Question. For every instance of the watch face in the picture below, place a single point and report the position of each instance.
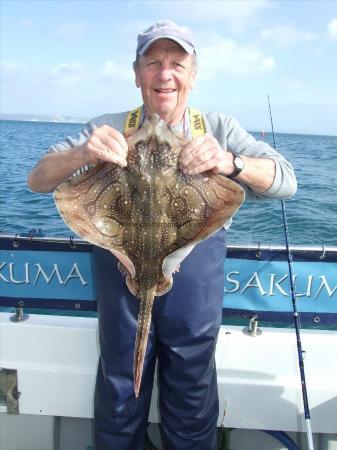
(238, 163)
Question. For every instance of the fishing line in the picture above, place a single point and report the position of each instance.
(252, 221)
(295, 313)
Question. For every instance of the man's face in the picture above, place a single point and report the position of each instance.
(165, 74)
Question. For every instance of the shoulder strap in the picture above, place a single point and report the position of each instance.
(132, 120)
(197, 122)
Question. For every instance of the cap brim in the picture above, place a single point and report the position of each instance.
(187, 47)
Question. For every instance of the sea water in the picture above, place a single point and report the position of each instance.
(311, 213)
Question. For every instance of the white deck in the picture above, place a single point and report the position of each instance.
(259, 382)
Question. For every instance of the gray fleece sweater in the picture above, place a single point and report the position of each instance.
(231, 137)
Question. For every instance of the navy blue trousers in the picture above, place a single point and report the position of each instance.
(183, 335)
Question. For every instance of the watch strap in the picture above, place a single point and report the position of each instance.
(237, 168)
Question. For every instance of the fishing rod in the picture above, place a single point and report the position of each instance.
(295, 313)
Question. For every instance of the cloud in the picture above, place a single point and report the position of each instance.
(120, 70)
(73, 73)
(10, 71)
(106, 86)
(26, 23)
(332, 28)
(72, 31)
(69, 72)
(230, 58)
(293, 84)
(230, 11)
(286, 35)
(232, 14)
(8, 66)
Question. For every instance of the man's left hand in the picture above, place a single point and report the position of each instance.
(204, 153)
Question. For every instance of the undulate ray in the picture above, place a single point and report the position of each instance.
(148, 214)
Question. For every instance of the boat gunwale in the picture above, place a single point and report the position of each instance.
(321, 249)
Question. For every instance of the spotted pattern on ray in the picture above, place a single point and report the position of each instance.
(146, 214)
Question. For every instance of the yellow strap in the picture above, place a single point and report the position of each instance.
(197, 123)
(132, 120)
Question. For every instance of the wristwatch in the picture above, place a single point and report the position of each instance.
(238, 166)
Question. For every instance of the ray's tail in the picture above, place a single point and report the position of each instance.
(143, 328)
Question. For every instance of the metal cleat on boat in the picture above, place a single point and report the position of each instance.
(252, 329)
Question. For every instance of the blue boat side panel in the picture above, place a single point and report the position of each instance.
(46, 275)
(264, 286)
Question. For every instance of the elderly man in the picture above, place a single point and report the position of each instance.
(186, 320)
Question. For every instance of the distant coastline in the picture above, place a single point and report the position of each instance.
(57, 118)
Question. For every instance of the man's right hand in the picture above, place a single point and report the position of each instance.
(105, 144)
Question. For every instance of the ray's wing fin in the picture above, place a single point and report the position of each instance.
(93, 206)
(202, 205)
(218, 197)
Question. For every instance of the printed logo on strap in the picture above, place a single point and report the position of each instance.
(132, 120)
(197, 123)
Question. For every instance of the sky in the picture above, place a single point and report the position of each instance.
(75, 58)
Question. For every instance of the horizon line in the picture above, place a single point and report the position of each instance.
(84, 120)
